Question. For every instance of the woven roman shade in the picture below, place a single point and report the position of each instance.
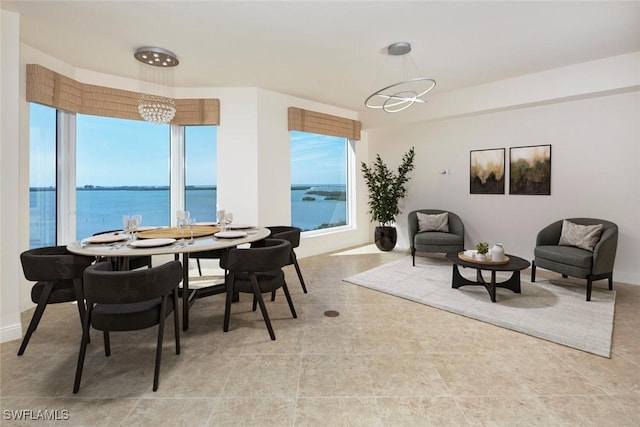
(323, 124)
(55, 90)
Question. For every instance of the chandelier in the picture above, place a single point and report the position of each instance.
(402, 95)
(156, 105)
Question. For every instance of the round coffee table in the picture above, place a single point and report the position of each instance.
(515, 265)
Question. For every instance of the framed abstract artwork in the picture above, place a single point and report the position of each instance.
(486, 171)
(530, 170)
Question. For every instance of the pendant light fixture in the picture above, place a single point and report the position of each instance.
(402, 95)
(156, 104)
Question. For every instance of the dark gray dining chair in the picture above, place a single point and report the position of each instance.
(292, 235)
(256, 270)
(129, 301)
(58, 275)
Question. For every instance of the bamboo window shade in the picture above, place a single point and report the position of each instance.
(323, 124)
(55, 90)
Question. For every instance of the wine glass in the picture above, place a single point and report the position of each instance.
(136, 222)
(228, 219)
(192, 223)
(126, 222)
(220, 214)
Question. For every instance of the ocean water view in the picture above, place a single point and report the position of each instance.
(101, 209)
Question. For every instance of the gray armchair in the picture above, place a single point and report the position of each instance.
(435, 241)
(573, 261)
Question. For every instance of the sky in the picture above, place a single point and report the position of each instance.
(117, 152)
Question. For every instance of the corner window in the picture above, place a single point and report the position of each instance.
(122, 167)
(42, 176)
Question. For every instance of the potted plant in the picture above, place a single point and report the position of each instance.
(482, 248)
(386, 188)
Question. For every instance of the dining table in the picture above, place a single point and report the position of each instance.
(159, 241)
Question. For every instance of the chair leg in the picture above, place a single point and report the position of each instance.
(533, 271)
(564, 276)
(37, 315)
(288, 296)
(589, 286)
(86, 324)
(107, 343)
(176, 321)
(78, 289)
(273, 295)
(295, 264)
(199, 269)
(227, 306)
(611, 281)
(413, 256)
(258, 295)
(156, 371)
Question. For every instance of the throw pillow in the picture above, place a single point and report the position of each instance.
(439, 222)
(581, 236)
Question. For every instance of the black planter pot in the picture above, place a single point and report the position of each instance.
(386, 238)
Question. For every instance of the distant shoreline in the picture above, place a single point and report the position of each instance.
(166, 188)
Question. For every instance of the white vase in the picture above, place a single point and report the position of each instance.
(497, 252)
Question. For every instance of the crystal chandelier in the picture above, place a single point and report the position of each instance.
(402, 95)
(157, 73)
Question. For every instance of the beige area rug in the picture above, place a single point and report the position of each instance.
(553, 310)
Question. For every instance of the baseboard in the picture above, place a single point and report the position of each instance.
(631, 278)
(10, 333)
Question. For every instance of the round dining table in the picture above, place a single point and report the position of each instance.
(122, 249)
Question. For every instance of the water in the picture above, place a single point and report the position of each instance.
(102, 209)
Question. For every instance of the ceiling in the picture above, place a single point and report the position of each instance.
(332, 52)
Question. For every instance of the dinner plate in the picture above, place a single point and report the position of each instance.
(105, 238)
(151, 243)
(230, 234)
(207, 223)
(239, 226)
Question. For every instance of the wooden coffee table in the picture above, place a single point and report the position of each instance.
(514, 264)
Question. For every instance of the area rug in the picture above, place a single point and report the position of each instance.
(554, 310)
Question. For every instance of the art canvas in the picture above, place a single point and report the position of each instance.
(487, 171)
(530, 170)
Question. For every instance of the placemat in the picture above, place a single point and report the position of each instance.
(176, 233)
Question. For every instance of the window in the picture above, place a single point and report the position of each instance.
(319, 170)
(122, 167)
(42, 176)
(200, 172)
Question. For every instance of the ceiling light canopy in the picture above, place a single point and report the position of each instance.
(402, 95)
(156, 105)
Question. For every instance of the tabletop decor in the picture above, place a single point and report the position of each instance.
(177, 232)
(386, 188)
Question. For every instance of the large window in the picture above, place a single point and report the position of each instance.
(319, 166)
(122, 167)
(42, 176)
(200, 172)
(99, 169)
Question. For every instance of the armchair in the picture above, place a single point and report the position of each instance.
(575, 261)
(435, 241)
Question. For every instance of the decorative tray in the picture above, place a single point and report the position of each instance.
(463, 257)
(176, 233)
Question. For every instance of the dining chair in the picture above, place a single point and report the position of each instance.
(133, 262)
(129, 301)
(292, 235)
(58, 276)
(256, 270)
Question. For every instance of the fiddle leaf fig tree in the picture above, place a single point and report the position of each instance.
(387, 187)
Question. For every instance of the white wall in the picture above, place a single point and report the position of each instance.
(10, 211)
(595, 159)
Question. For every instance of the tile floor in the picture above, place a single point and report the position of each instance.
(383, 361)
